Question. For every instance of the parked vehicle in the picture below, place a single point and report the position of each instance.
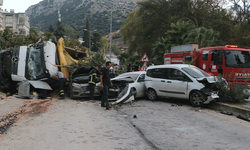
(127, 86)
(231, 61)
(181, 81)
(79, 86)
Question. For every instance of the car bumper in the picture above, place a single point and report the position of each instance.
(82, 90)
(210, 98)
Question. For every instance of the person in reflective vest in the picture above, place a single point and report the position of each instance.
(92, 81)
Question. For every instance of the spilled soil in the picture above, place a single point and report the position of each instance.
(31, 108)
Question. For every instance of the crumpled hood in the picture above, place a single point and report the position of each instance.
(211, 79)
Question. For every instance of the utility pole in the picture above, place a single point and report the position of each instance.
(110, 32)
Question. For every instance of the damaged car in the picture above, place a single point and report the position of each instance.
(181, 81)
(127, 87)
(79, 86)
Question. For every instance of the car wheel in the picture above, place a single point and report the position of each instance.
(151, 94)
(196, 99)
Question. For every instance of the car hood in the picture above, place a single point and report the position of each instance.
(211, 79)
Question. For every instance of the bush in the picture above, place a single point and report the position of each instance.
(232, 92)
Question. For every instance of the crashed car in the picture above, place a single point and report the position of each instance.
(181, 81)
(79, 86)
(126, 87)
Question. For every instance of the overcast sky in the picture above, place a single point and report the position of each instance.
(18, 5)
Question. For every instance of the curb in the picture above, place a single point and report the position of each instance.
(244, 112)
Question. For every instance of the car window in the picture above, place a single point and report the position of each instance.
(195, 72)
(173, 74)
(157, 73)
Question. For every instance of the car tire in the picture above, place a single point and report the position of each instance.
(151, 94)
(196, 99)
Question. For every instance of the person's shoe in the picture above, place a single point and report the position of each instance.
(61, 98)
(108, 108)
(103, 106)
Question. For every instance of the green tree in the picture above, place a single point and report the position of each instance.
(71, 32)
(60, 32)
(204, 37)
(96, 42)
(48, 35)
(104, 44)
(86, 36)
(51, 29)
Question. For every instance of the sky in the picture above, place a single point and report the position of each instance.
(18, 5)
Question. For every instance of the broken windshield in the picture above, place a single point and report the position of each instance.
(237, 59)
(34, 67)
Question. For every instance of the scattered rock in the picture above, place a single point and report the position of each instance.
(134, 116)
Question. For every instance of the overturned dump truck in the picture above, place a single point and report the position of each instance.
(35, 63)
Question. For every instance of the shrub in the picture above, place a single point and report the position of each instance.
(232, 92)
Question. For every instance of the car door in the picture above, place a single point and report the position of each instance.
(140, 85)
(176, 84)
(158, 80)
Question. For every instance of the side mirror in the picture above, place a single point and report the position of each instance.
(140, 80)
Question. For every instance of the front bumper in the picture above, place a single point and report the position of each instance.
(211, 98)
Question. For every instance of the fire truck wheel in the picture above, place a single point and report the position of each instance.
(151, 94)
(196, 99)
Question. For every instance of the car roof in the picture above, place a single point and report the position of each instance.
(179, 66)
(134, 72)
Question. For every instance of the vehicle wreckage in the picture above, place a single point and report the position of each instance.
(35, 64)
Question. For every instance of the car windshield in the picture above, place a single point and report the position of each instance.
(35, 68)
(195, 72)
(238, 59)
(134, 76)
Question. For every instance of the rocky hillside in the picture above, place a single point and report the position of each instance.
(75, 12)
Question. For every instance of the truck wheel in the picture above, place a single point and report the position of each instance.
(196, 99)
(151, 94)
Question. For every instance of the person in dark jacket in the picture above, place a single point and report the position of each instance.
(136, 66)
(92, 81)
(105, 84)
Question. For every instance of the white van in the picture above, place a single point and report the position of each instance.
(181, 81)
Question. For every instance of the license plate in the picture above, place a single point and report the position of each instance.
(86, 91)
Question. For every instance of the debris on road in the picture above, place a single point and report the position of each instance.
(244, 118)
(32, 107)
(226, 113)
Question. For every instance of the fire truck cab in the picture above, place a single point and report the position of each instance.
(231, 61)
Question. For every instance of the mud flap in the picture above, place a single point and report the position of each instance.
(125, 96)
(24, 88)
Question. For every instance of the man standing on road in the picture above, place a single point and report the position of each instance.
(62, 80)
(92, 81)
(105, 84)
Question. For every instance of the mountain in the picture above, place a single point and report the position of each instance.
(76, 12)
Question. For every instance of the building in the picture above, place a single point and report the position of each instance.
(17, 22)
(1, 2)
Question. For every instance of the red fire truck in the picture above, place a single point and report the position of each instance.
(231, 61)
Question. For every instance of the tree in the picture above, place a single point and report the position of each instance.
(104, 44)
(149, 23)
(60, 32)
(96, 42)
(51, 29)
(86, 36)
(71, 31)
(48, 35)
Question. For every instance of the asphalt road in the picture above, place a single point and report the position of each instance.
(141, 125)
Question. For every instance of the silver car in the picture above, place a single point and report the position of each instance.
(127, 86)
(181, 81)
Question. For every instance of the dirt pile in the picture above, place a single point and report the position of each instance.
(32, 107)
